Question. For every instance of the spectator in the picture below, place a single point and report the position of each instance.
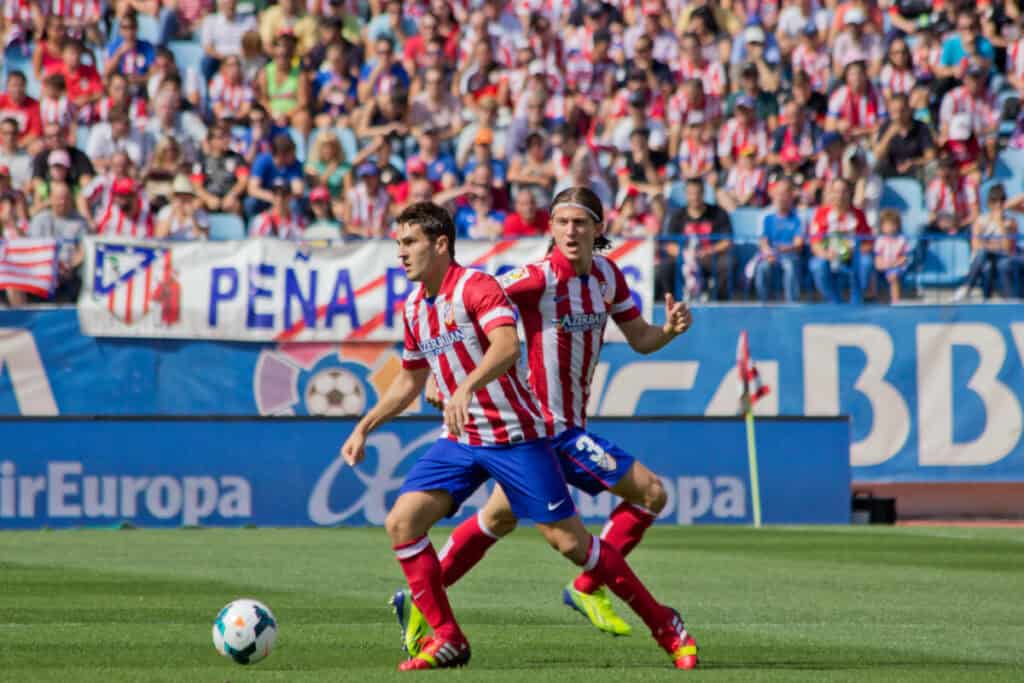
(279, 220)
(54, 106)
(231, 98)
(179, 18)
(798, 131)
(742, 130)
(255, 138)
(61, 222)
(483, 156)
(811, 57)
(866, 184)
(696, 154)
(840, 245)
(128, 215)
(127, 55)
(158, 178)
(55, 137)
(117, 136)
(533, 170)
(657, 135)
(974, 99)
(708, 262)
(221, 35)
(327, 166)
(855, 109)
(280, 162)
(96, 197)
(329, 33)
(951, 199)
(253, 58)
(527, 220)
(994, 247)
(334, 89)
(781, 245)
(284, 86)
(690, 100)
(222, 173)
(757, 75)
(119, 94)
(904, 146)
(288, 16)
(13, 220)
(637, 216)
(437, 107)
(367, 203)
(745, 184)
(382, 74)
(170, 122)
(12, 156)
(639, 166)
(963, 47)
(48, 47)
(480, 220)
(892, 253)
(386, 114)
(324, 225)
(393, 24)
(855, 43)
(183, 219)
(963, 147)
(16, 105)
(695, 66)
(897, 76)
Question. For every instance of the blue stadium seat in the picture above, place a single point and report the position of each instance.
(902, 194)
(946, 262)
(149, 28)
(15, 59)
(187, 54)
(677, 195)
(746, 224)
(226, 226)
(1009, 167)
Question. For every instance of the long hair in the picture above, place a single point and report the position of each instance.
(586, 197)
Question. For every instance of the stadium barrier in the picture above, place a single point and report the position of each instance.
(934, 393)
(153, 472)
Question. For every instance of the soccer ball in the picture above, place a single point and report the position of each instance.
(245, 631)
(335, 392)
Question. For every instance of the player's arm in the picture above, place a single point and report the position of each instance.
(645, 338)
(403, 391)
(502, 354)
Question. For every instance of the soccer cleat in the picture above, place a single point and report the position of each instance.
(410, 621)
(680, 645)
(438, 653)
(597, 607)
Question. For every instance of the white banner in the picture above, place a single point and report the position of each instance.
(270, 290)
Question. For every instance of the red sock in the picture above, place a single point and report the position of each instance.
(423, 574)
(624, 529)
(465, 547)
(611, 570)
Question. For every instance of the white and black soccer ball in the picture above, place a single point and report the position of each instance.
(335, 392)
(245, 630)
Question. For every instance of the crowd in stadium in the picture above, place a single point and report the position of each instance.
(797, 148)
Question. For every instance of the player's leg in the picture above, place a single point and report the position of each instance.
(593, 465)
(471, 539)
(435, 487)
(536, 489)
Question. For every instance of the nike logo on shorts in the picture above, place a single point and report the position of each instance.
(552, 506)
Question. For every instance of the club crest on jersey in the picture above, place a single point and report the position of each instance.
(447, 314)
(606, 292)
(579, 322)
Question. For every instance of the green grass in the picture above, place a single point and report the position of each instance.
(851, 604)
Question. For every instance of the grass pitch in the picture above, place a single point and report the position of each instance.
(851, 604)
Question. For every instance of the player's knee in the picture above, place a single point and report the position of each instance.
(655, 497)
(399, 528)
(570, 547)
(500, 523)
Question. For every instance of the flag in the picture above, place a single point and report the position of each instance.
(30, 265)
(128, 277)
(751, 389)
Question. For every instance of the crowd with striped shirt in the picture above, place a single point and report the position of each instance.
(324, 119)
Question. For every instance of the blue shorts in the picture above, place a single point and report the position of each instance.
(528, 472)
(590, 463)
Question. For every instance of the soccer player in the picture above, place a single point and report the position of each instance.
(564, 302)
(460, 327)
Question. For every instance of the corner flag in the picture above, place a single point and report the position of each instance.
(751, 391)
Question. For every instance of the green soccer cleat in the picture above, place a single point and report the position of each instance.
(597, 607)
(411, 621)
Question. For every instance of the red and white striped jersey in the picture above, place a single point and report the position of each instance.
(830, 222)
(19, 12)
(60, 111)
(79, 10)
(136, 110)
(99, 194)
(941, 198)
(742, 181)
(564, 317)
(895, 80)
(229, 96)
(272, 224)
(116, 223)
(826, 170)
(859, 110)
(889, 249)
(448, 334)
(696, 157)
(816, 63)
(1015, 59)
(735, 137)
(680, 107)
(369, 213)
(983, 109)
(710, 73)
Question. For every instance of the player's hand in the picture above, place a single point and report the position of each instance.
(354, 448)
(432, 394)
(677, 316)
(456, 412)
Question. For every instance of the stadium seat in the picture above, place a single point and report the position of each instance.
(225, 227)
(902, 194)
(1009, 167)
(676, 197)
(746, 224)
(349, 144)
(187, 54)
(149, 28)
(945, 264)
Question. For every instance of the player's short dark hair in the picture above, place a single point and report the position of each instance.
(433, 219)
(588, 199)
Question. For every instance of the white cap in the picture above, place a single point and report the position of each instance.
(854, 15)
(753, 34)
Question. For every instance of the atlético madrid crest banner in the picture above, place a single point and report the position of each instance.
(271, 290)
